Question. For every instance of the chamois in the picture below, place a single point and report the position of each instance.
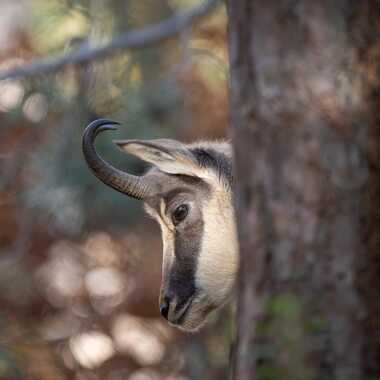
(188, 190)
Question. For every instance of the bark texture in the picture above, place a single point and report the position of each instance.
(304, 112)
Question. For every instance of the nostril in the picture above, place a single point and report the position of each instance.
(164, 307)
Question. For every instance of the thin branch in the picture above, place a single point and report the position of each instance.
(132, 40)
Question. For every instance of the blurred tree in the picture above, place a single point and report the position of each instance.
(305, 81)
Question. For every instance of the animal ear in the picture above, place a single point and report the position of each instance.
(169, 156)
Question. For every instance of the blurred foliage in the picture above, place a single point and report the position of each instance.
(79, 265)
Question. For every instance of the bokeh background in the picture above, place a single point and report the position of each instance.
(80, 264)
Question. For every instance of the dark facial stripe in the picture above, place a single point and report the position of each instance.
(187, 245)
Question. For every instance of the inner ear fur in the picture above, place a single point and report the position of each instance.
(170, 156)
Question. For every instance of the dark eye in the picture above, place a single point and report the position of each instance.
(180, 213)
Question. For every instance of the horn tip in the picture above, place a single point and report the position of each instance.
(101, 125)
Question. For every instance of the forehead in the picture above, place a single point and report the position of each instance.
(170, 187)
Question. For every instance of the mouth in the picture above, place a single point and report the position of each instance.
(180, 317)
(193, 315)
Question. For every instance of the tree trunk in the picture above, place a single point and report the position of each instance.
(304, 100)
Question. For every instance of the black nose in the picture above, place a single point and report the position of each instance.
(164, 307)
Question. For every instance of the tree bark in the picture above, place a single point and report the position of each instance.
(304, 95)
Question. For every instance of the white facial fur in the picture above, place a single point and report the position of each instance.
(218, 258)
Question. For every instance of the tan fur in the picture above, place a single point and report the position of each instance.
(167, 232)
(208, 174)
(175, 162)
(218, 259)
(222, 146)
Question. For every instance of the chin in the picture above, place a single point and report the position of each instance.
(192, 324)
(196, 317)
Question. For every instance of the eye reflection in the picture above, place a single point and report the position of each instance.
(180, 213)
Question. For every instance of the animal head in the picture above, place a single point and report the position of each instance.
(188, 191)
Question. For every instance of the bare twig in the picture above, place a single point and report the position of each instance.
(132, 40)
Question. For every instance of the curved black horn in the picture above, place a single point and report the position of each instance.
(126, 183)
